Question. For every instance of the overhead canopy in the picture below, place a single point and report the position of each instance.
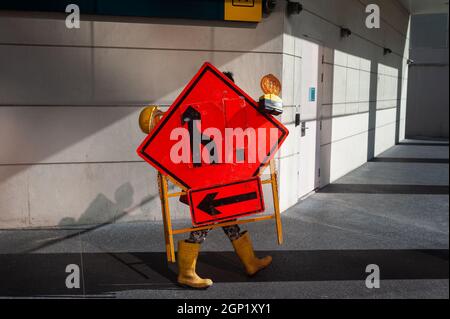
(228, 10)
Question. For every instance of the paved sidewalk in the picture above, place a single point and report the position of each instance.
(392, 212)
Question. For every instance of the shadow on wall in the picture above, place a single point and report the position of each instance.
(326, 127)
(373, 93)
(100, 213)
(103, 210)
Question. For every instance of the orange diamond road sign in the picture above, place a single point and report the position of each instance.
(212, 103)
(214, 141)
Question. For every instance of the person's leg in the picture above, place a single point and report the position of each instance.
(233, 232)
(187, 259)
(198, 236)
(244, 249)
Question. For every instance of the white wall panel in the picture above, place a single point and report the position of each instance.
(288, 182)
(384, 138)
(45, 75)
(68, 134)
(346, 155)
(14, 197)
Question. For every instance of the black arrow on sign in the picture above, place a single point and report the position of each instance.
(189, 116)
(209, 202)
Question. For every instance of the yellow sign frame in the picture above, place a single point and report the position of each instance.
(169, 232)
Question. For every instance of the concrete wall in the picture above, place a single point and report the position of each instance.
(70, 99)
(428, 99)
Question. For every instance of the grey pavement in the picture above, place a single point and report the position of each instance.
(392, 212)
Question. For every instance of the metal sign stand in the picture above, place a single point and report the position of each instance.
(169, 232)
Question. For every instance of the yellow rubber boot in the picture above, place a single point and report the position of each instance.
(244, 249)
(187, 260)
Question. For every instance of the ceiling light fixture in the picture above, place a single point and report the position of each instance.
(294, 7)
(345, 32)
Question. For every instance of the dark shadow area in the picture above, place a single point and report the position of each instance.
(325, 125)
(423, 144)
(107, 273)
(398, 107)
(371, 127)
(410, 160)
(426, 138)
(427, 113)
(319, 119)
(385, 189)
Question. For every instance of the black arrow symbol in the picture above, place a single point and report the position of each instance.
(209, 202)
(189, 116)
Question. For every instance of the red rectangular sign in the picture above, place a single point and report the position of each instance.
(226, 202)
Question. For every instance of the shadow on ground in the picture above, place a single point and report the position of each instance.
(104, 274)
